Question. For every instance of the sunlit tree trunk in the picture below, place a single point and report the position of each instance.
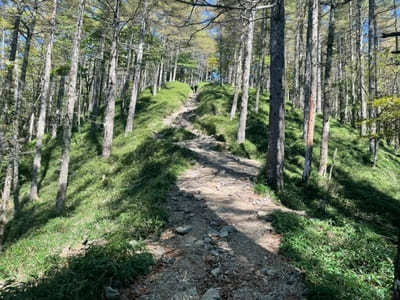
(323, 162)
(360, 73)
(137, 76)
(19, 89)
(372, 78)
(314, 92)
(7, 88)
(43, 107)
(241, 136)
(298, 53)
(31, 126)
(155, 80)
(112, 85)
(178, 49)
(69, 114)
(238, 79)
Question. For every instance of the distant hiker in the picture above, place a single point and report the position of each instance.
(195, 88)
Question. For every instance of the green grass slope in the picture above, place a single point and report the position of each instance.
(111, 202)
(347, 251)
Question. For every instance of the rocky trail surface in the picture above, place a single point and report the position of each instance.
(220, 243)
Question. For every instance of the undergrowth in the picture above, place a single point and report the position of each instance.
(346, 251)
(109, 204)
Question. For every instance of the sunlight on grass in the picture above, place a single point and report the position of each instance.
(115, 200)
(347, 251)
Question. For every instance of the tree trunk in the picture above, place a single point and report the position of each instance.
(323, 162)
(354, 71)
(238, 79)
(98, 85)
(241, 136)
(298, 52)
(155, 80)
(5, 196)
(276, 138)
(319, 80)
(137, 76)
(308, 75)
(314, 92)
(6, 92)
(176, 62)
(261, 65)
(43, 107)
(372, 77)
(60, 98)
(69, 114)
(112, 85)
(342, 83)
(3, 48)
(4, 202)
(31, 126)
(19, 89)
(360, 67)
(160, 80)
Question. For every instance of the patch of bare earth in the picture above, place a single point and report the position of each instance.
(220, 243)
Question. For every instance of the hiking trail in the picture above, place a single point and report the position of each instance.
(219, 243)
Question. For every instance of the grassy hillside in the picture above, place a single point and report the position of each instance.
(347, 251)
(110, 203)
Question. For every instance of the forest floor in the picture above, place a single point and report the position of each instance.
(219, 242)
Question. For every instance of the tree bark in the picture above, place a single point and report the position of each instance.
(19, 89)
(372, 77)
(308, 66)
(69, 114)
(314, 92)
(112, 85)
(360, 67)
(354, 71)
(276, 138)
(298, 52)
(6, 92)
(98, 85)
(323, 162)
(31, 126)
(241, 136)
(137, 76)
(342, 84)
(155, 80)
(3, 47)
(238, 79)
(43, 107)
(261, 65)
(176, 62)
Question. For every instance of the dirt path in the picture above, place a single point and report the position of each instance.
(220, 243)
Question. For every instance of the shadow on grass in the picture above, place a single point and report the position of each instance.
(136, 209)
(351, 199)
(85, 274)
